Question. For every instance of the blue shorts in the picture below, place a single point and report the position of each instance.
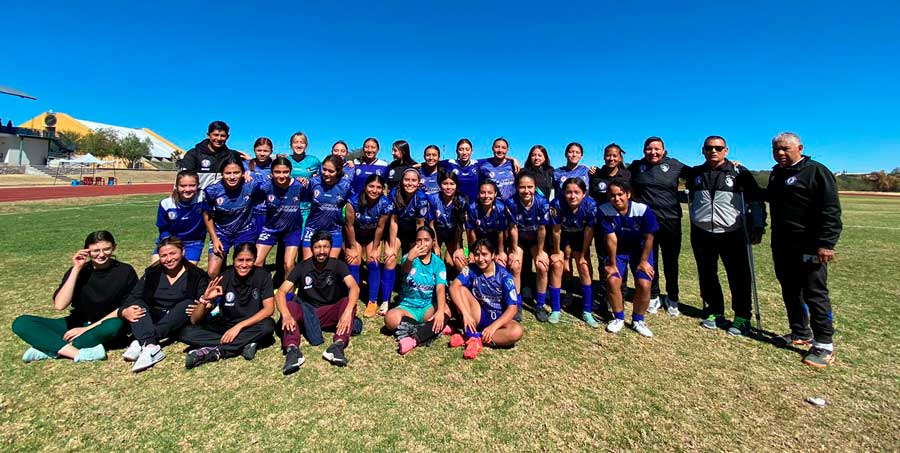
(192, 249)
(488, 316)
(337, 239)
(230, 241)
(632, 262)
(574, 239)
(270, 238)
(365, 237)
(260, 219)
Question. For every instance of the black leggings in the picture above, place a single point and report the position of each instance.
(667, 239)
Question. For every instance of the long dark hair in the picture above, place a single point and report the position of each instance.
(363, 202)
(338, 163)
(232, 159)
(616, 146)
(262, 141)
(543, 151)
(244, 247)
(405, 157)
(401, 198)
(459, 202)
(99, 236)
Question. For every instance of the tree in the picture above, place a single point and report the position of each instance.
(355, 154)
(133, 149)
(100, 143)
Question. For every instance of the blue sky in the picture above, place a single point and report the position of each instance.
(432, 72)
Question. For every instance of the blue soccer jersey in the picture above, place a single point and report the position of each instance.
(184, 221)
(283, 207)
(417, 208)
(326, 204)
(363, 170)
(429, 181)
(487, 225)
(231, 209)
(561, 174)
(585, 216)
(367, 219)
(262, 172)
(630, 228)
(503, 175)
(444, 215)
(529, 220)
(494, 293)
(467, 175)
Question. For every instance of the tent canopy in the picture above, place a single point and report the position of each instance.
(87, 159)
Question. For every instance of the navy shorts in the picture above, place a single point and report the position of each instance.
(337, 238)
(192, 249)
(270, 238)
(488, 317)
(632, 261)
(230, 241)
(574, 239)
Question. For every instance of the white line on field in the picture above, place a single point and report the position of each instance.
(70, 208)
(874, 227)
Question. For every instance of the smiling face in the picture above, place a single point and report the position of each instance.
(370, 150)
(432, 156)
(243, 263)
(612, 157)
(281, 174)
(526, 189)
(573, 195)
(500, 149)
(263, 152)
(217, 138)
(340, 150)
(423, 239)
(396, 153)
(329, 172)
(187, 188)
(170, 257)
(573, 155)
(786, 152)
(448, 187)
(410, 181)
(715, 151)
(487, 195)
(320, 250)
(536, 157)
(618, 198)
(232, 175)
(374, 190)
(654, 152)
(483, 258)
(298, 144)
(101, 252)
(464, 152)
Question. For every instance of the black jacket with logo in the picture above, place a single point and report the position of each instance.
(720, 196)
(657, 186)
(206, 162)
(805, 208)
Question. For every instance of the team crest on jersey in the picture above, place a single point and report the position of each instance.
(205, 163)
(602, 186)
(255, 294)
(790, 181)
(358, 171)
(271, 198)
(643, 168)
(296, 198)
(729, 181)
(412, 272)
(329, 280)
(465, 271)
(316, 193)
(491, 174)
(699, 180)
(246, 197)
(423, 211)
(220, 200)
(172, 215)
(391, 174)
(455, 171)
(229, 296)
(307, 282)
(664, 168)
(513, 295)
(443, 275)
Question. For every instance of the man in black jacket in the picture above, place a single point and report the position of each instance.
(726, 204)
(806, 225)
(206, 156)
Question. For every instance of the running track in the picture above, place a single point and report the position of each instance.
(47, 193)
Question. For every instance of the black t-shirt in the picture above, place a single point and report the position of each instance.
(99, 291)
(320, 287)
(599, 182)
(167, 294)
(242, 297)
(657, 186)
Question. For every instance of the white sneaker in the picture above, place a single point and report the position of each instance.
(133, 352)
(150, 355)
(641, 328)
(672, 308)
(615, 325)
(654, 306)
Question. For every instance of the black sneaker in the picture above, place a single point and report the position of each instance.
(818, 357)
(335, 354)
(357, 326)
(791, 339)
(293, 358)
(541, 314)
(249, 351)
(200, 356)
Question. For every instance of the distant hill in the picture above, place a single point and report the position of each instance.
(879, 181)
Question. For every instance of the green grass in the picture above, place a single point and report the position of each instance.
(564, 387)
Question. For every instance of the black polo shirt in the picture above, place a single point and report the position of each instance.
(242, 297)
(320, 287)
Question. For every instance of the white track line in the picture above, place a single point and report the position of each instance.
(70, 208)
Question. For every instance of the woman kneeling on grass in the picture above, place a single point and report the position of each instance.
(246, 302)
(159, 305)
(94, 287)
(423, 308)
(485, 294)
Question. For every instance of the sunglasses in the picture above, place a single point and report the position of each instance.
(717, 149)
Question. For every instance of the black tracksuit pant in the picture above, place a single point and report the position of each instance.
(159, 323)
(732, 248)
(804, 288)
(667, 239)
(210, 333)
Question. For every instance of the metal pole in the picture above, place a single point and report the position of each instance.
(745, 220)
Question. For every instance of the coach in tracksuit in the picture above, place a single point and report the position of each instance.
(206, 157)
(806, 225)
(723, 196)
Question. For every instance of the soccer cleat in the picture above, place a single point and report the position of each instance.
(249, 351)
(641, 328)
(589, 319)
(293, 358)
(654, 306)
(202, 355)
(383, 308)
(554, 317)
(33, 355)
(407, 344)
(672, 308)
(132, 352)
(541, 314)
(739, 328)
(456, 340)
(713, 322)
(335, 354)
(150, 355)
(371, 309)
(447, 330)
(615, 326)
(790, 339)
(818, 357)
(91, 354)
(473, 347)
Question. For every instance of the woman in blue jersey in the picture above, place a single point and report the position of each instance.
(370, 213)
(628, 227)
(572, 168)
(181, 215)
(538, 164)
(410, 212)
(487, 218)
(499, 169)
(486, 297)
(422, 310)
(260, 167)
(402, 161)
(228, 211)
(369, 164)
(465, 168)
(429, 169)
(448, 219)
(530, 212)
(340, 149)
(573, 216)
(281, 222)
(327, 193)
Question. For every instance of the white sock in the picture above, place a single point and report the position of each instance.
(825, 346)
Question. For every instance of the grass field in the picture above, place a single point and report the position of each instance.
(564, 387)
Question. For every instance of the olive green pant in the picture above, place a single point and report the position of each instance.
(46, 334)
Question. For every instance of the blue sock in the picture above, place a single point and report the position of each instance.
(519, 300)
(471, 334)
(620, 315)
(540, 299)
(387, 284)
(354, 271)
(554, 299)
(587, 293)
(637, 317)
(374, 280)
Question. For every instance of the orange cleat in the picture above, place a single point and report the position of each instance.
(371, 308)
(473, 347)
(456, 340)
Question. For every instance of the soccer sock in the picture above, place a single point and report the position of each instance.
(587, 293)
(519, 300)
(374, 280)
(620, 315)
(554, 299)
(354, 271)
(825, 346)
(387, 284)
(540, 300)
(471, 334)
(425, 332)
(636, 317)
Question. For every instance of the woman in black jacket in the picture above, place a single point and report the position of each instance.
(538, 163)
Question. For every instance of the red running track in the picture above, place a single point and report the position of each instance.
(47, 193)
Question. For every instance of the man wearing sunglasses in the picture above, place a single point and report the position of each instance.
(723, 196)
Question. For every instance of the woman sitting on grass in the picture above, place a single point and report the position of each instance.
(246, 302)
(94, 288)
(485, 294)
(422, 311)
(181, 215)
(159, 305)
